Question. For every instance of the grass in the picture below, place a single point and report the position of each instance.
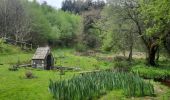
(14, 58)
(114, 95)
(11, 55)
(14, 85)
(8, 49)
(162, 93)
(67, 58)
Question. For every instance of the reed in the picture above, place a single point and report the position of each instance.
(93, 85)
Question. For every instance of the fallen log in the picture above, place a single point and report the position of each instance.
(86, 72)
(25, 65)
(66, 68)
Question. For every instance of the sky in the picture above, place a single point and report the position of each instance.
(54, 3)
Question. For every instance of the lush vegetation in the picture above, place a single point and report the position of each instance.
(18, 86)
(120, 48)
(8, 49)
(93, 85)
(41, 24)
(151, 73)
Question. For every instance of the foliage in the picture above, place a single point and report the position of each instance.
(122, 66)
(93, 85)
(79, 6)
(14, 20)
(40, 27)
(151, 72)
(8, 49)
(38, 24)
(80, 47)
(119, 32)
(156, 15)
(90, 12)
(120, 58)
(52, 26)
(158, 11)
(13, 68)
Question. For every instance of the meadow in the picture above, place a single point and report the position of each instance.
(15, 86)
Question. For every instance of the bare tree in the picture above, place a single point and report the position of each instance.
(15, 21)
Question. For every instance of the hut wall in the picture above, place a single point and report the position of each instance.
(38, 63)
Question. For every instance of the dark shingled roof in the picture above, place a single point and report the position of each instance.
(41, 53)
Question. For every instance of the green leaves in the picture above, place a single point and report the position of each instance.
(156, 14)
(54, 26)
(92, 85)
(150, 72)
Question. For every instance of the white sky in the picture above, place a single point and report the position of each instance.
(54, 3)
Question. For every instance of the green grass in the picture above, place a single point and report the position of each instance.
(8, 49)
(10, 54)
(14, 58)
(114, 95)
(67, 58)
(14, 85)
(162, 93)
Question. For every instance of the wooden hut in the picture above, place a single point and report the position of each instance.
(43, 58)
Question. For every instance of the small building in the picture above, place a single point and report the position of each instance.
(43, 58)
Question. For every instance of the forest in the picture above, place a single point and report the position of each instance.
(100, 50)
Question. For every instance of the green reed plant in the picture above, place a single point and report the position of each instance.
(92, 85)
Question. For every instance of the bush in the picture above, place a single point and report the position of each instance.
(29, 75)
(151, 72)
(122, 66)
(13, 68)
(120, 58)
(81, 47)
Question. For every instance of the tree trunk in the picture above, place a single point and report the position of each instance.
(130, 53)
(158, 52)
(152, 54)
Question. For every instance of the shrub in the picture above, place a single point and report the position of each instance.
(13, 68)
(92, 85)
(151, 72)
(80, 47)
(120, 58)
(122, 66)
(29, 74)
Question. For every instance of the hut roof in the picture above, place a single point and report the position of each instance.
(41, 53)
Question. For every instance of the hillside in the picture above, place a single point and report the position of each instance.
(8, 49)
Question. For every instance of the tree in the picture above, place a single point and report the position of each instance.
(14, 20)
(151, 19)
(121, 32)
(156, 17)
(79, 6)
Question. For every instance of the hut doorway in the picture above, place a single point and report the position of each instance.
(49, 62)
